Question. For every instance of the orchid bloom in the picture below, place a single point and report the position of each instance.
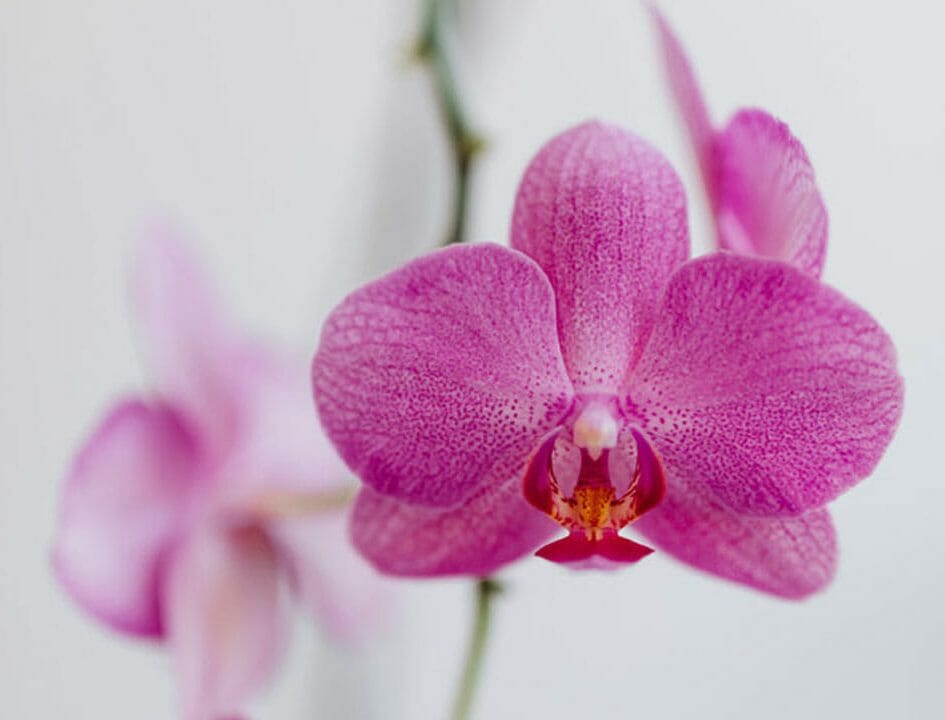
(758, 178)
(590, 377)
(177, 518)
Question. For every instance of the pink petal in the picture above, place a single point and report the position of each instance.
(442, 373)
(604, 215)
(789, 557)
(691, 104)
(774, 389)
(190, 345)
(768, 202)
(492, 528)
(227, 621)
(283, 452)
(281, 445)
(346, 595)
(121, 505)
(757, 176)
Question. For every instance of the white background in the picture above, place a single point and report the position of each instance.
(302, 154)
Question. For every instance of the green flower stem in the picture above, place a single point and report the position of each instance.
(486, 589)
(464, 141)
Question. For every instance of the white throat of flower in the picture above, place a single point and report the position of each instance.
(595, 429)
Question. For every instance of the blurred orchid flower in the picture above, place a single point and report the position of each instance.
(758, 178)
(591, 376)
(188, 515)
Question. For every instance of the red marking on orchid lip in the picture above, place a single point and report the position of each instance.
(649, 477)
(577, 551)
(537, 486)
(593, 513)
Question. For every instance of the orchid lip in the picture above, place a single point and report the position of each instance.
(593, 512)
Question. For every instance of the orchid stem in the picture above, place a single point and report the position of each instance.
(464, 141)
(486, 589)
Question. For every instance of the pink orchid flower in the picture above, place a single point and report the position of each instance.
(758, 178)
(591, 377)
(177, 515)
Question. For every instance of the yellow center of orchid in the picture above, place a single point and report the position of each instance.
(593, 506)
(593, 511)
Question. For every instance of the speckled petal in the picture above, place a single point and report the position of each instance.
(774, 389)
(768, 202)
(442, 373)
(788, 557)
(490, 529)
(604, 215)
(692, 107)
(190, 346)
(119, 515)
(227, 619)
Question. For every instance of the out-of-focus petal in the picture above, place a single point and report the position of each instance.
(604, 215)
(283, 457)
(120, 510)
(442, 373)
(345, 594)
(768, 202)
(759, 181)
(689, 99)
(789, 557)
(227, 618)
(490, 529)
(281, 447)
(190, 347)
(774, 389)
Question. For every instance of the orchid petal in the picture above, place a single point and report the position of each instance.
(330, 578)
(788, 557)
(442, 373)
(768, 202)
(119, 514)
(191, 349)
(227, 621)
(282, 447)
(759, 181)
(283, 456)
(604, 215)
(774, 389)
(692, 106)
(490, 529)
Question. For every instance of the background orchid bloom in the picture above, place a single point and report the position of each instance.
(593, 376)
(758, 178)
(173, 524)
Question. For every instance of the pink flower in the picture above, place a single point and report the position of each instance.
(757, 176)
(170, 523)
(591, 377)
